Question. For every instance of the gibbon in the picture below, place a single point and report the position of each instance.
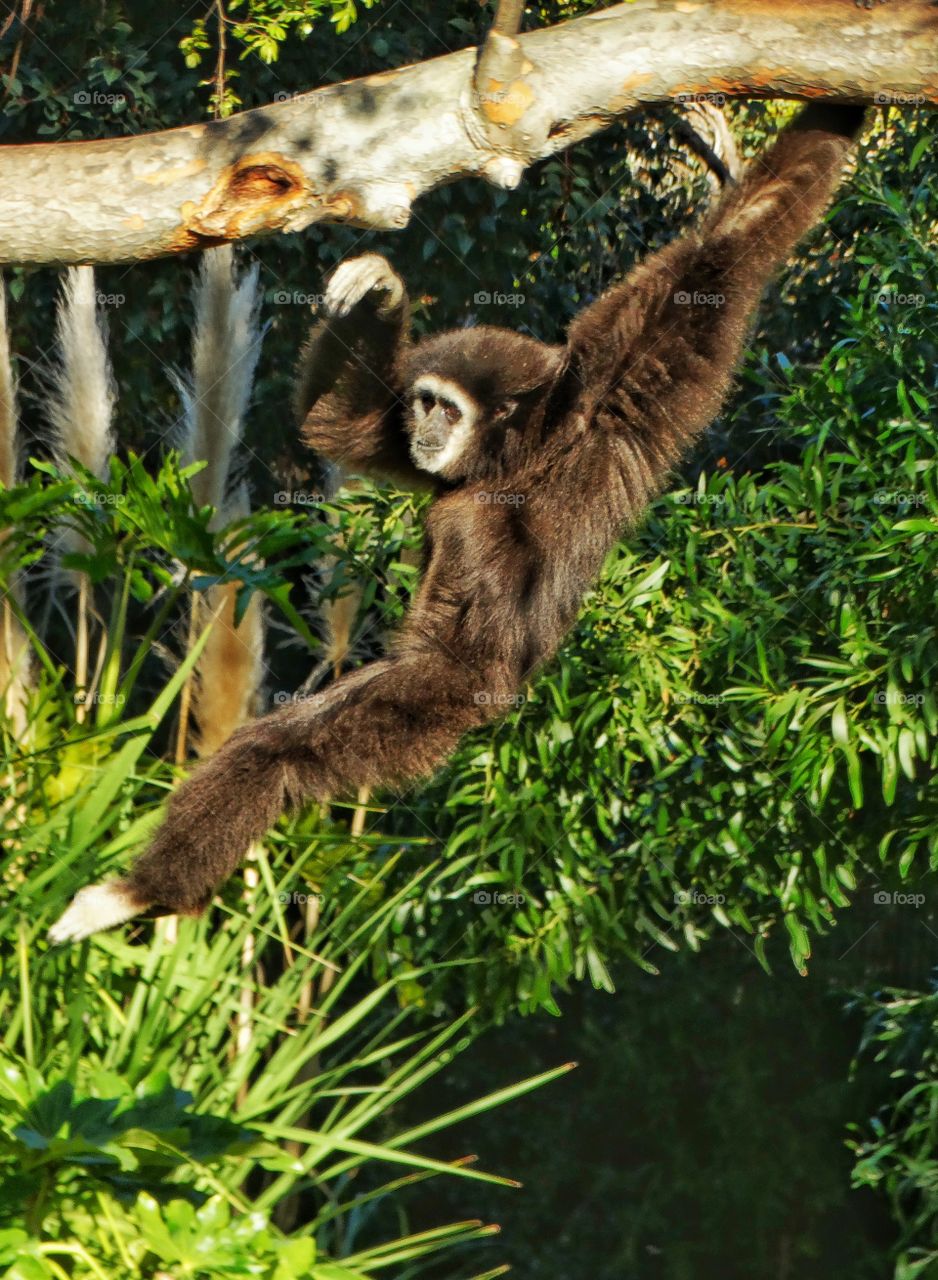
(539, 456)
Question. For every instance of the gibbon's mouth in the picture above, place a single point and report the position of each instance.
(427, 447)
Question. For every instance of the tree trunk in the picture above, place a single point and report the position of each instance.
(362, 152)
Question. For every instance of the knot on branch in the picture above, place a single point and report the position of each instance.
(254, 193)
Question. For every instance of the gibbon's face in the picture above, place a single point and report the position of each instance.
(443, 418)
(472, 395)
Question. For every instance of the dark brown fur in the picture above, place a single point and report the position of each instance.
(514, 544)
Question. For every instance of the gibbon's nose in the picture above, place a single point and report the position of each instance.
(436, 427)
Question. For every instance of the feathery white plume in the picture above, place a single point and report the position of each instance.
(80, 401)
(225, 347)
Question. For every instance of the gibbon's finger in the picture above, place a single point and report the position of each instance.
(370, 274)
(353, 280)
(350, 282)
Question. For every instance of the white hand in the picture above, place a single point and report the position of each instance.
(352, 280)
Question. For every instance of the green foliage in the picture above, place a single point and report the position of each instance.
(701, 1136)
(160, 1104)
(897, 1152)
(260, 28)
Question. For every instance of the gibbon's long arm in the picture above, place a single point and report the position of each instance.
(652, 359)
(348, 393)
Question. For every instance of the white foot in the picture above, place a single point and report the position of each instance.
(99, 906)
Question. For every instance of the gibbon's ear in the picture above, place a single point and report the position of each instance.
(505, 408)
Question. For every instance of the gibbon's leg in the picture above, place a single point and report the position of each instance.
(655, 355)
(388, 723)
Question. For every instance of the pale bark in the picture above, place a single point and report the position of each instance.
(364, 151)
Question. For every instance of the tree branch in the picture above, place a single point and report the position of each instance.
(364, 151)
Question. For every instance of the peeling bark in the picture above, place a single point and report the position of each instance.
(364, 151)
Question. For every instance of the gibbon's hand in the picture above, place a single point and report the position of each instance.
(355, 279)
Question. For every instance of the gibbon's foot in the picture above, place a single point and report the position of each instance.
(352, 280)
(98, 906)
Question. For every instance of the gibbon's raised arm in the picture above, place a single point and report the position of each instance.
(655, 354)
(540, 456)
(348, 392)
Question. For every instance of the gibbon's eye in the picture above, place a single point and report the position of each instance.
(449, 409)
(426, 401)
